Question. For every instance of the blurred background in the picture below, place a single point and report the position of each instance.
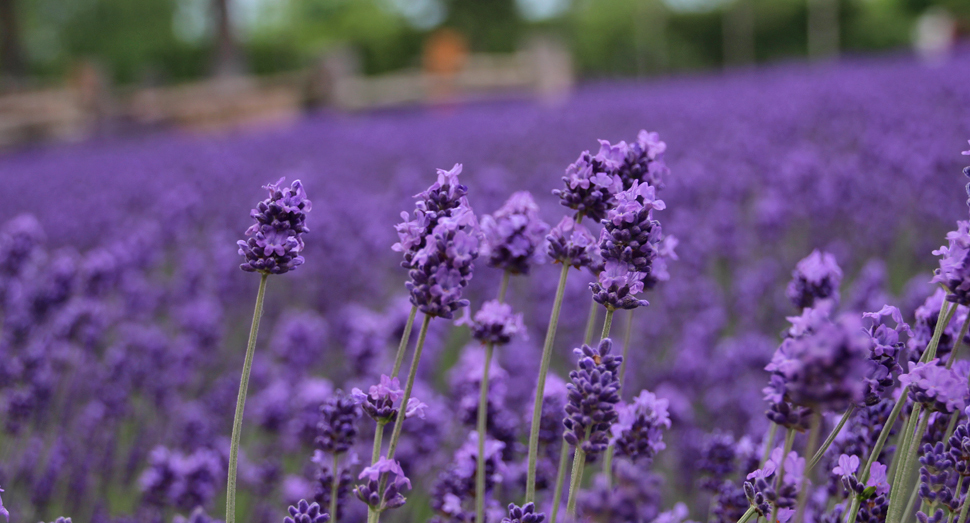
(76, 68)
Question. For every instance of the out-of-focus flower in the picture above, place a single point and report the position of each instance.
(337, 429)
(494, 323)
(816, 277)
(638, 431)
(954, 270)
(514, 235)
(643, 161)
(935, 386)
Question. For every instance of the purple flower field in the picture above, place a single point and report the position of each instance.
(735, 318)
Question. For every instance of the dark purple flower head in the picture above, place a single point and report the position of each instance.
(886, 350)
(441, 200)
(514, 235)
(617, 287)
(442, 268)
(760, 485)
(643, 161)
(926, 316)
(305, 512)
(299, 337)
(396, 482)
(935, 386)
(181, 480)
(638, 431)
(378, 403)
(954, 270)
(571, 244)
(937, 477)
(494, 323)
(524, 514)
(823, 365)
(594, 390)
(592, 181)
(61, 520)
(630, 234)
(959, 446)
(276, 239)
(816, 277)
(337, 429)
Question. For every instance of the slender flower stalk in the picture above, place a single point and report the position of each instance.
(560, 478)
(789, 441)
(530, 484)
(405, 337)
(373, 515)
(769, 443)
(412, 374)
(590, 323)
(813, 434)
(909, 458)
(335, 486)
(607, 324)
(626, 343)
(958, 341)
(579, 465)
(828, 441)
(241, 403)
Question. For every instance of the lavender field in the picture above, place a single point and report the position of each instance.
(763, 379)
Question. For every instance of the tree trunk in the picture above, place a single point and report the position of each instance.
(11, 57)
(228, 60)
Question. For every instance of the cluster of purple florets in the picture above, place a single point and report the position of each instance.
(514, 235)
(275, 241)
(496, 324)
(815, 278)
(594, 391)
(337, 428)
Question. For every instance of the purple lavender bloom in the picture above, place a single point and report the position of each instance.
(638, 431)
(323, 482)
(180, 480)
(592, 181)
(630, 234)
(633, 495)
(305, 512)
(937, 477)
(571, 243)
(643, 161)
(61, 520)
(594, 390)
(392, 497)
(823, 365)
(816, 277)
(441, 200)
(298, 339)
(935, 386)
(19, 240)
(924, 326)
(524, 514)
(494, 323)
(760, 485)
(378, 403)
(453, 493)
(514, 235)
(443, 266)
(275, 241)
(954, 270)
(4, 511)
(959, 447)
(886, 350)
(617, 287)
(337, 429)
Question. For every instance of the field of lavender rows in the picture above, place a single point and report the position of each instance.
(125, 313)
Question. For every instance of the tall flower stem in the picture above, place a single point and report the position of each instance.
(608, 461)
(769, 442)
(958, 490)
(902, 478)
(560, 478)
(482, 420)
(530, 484)
(958, 342)
(607, 325)
(963, 513)
(813, 433)
(403, 346)
(579, 465)
(483, 417)
(626, 343)
(779, 477)
(241, 402)
(591, 321)
(372, 515)
(831, 437)
(335, 484)
(412, 373)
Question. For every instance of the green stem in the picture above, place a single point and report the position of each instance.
(941, 322)
(607, 324)
(779, 477)
(241, 402)
(372, 515)
(828, 441)
(504, 286)
(963, 511)
(530, 484)
(626, 343)
(911, 504)
(412, 373)
(590, 322)
(579, 464)
(958, 342)
(335, 486)
(608, 466)
(482, 420)
(813, 433)
(769, 443)
(752, 511)
(902, 478)
(560, 479)
(405, 337)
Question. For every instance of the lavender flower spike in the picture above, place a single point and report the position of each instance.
(571, 244)
(638, 432)
(276, 239)
(593, 393)
(494, 323)
(524, 514)
(954, 270)
(514, 235)
(617, 286)
(592, 181)
(816, 277)
(305, 512)
(337, 429)
(644, 161)
(630, 234)
(935, 386)
(370, 493)
(443, 267)
(379, 402)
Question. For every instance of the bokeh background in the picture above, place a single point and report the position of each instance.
(135, 136)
